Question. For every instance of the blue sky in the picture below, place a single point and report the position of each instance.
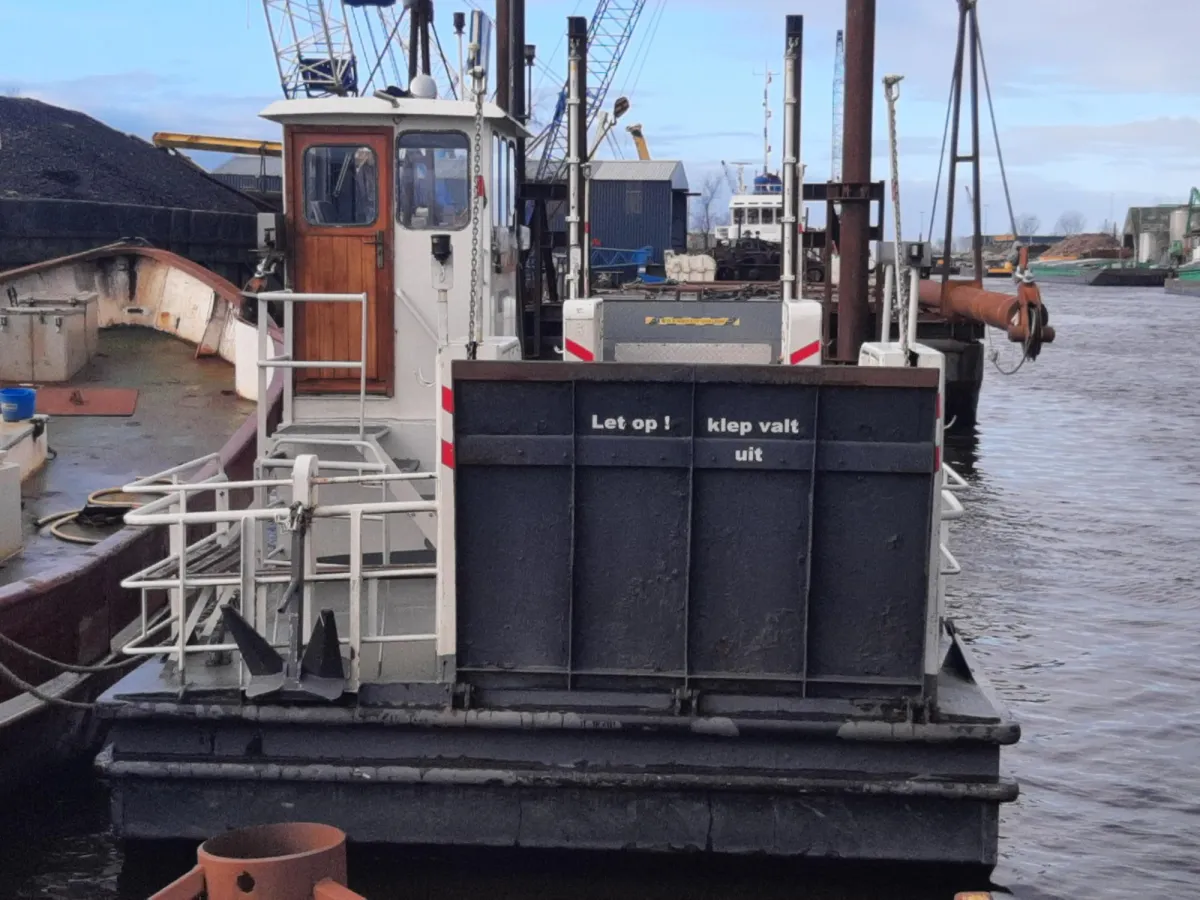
(1096, 100)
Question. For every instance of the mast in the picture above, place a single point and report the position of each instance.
(839, 78)
(767, 123)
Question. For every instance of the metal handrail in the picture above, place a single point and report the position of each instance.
(955, 481)
(173, 574)
(286, 359)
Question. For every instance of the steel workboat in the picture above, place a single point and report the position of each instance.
(682, 590)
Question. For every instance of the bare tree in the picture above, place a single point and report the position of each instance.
(1027, 224)
(706, 213)
(1070, 222)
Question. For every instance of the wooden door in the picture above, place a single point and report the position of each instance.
(340, 202)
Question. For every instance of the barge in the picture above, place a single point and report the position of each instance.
(1099, 273)
(682, 590)
(118, 341)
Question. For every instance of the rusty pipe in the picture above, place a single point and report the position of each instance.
(853, 309)
(1011, 314)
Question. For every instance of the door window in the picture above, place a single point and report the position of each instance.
(341, 185)
(433, 180)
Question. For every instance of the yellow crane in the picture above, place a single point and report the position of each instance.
(244, 146)
(639, 140)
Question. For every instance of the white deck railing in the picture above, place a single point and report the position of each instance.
(286, 359)
(189, 586)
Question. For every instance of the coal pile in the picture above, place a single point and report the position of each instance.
(47, 152)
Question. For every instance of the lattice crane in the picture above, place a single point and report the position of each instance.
(609, 32)
(349, 47)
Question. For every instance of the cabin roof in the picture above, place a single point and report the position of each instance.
(640, 170)
(303, 108)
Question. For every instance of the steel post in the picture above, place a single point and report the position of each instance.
(504, 55)
(576, 150)
(853, 309)
(791, 252)
(976, 199)
(516, 61)
(951, 179)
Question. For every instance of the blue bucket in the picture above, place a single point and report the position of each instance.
(17, 404)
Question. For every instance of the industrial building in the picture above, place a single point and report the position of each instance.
(639, 203)
(253, 174)
(1151, 231)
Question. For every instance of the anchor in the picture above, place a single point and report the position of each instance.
(314, 669)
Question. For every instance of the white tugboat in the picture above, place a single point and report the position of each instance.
(682, 590)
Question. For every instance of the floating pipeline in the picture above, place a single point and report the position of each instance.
(1024, 318)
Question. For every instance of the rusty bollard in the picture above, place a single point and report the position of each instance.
(288, 861)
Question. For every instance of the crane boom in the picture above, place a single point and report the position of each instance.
(639, 141)
(346, 47)
(609, 32)
(313, 50)
(245, 146)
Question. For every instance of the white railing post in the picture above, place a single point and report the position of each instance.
(355, 597)
(445, 604)
(287, 358)
(253, 584)
(263, 375)
(287, 414)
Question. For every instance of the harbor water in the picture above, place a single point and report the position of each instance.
(1080, 593)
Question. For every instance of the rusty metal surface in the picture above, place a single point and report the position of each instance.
(86, 401)
(1012, 314)
(853, 317)
(65, 600)
(275, 862)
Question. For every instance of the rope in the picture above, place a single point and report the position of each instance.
(66, 667)
(987, 87)
(101, 512)
(7, 674)
(445, 65)
(1035, 313)
(891, 90)
(937, 184)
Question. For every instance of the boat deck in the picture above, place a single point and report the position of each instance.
(186, 407)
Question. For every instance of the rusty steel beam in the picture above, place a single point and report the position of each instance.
(1022, 317)
(853, 301)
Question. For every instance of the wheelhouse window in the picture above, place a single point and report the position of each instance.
(501, 195)
(752, 216)
(341, 185)
(433, 180)
(739, 216)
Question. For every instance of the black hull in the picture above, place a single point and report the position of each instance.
(1111, 277)
(45, 737)
(840, 783)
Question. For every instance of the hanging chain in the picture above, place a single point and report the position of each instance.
(477, 200)
(891, 90)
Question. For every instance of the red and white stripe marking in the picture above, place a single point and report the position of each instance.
(808, 351)
(447, 415)
(576, 350)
